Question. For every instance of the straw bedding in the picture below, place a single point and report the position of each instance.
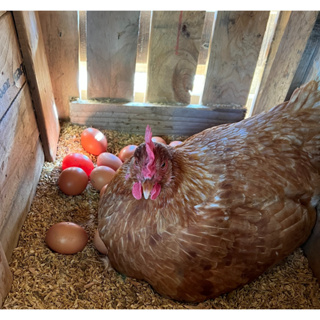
(47, 280)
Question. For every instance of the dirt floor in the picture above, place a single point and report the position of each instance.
(47, 280)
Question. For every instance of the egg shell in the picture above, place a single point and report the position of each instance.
(174, 143)
(127, 151)
(72, 181)
(109, 160)
(78, 160)
(66, 238)
(98, 243)
(158, 139)
(103, 189)
(100, 176)
(94, 141)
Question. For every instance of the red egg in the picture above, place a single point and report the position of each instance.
(78, 160)
(94, 141)
(98, 243)
(158, 139)
(127, 152)
(174, 143)
(100, 176)
(66, 238)
(72, 181)
(109, 160)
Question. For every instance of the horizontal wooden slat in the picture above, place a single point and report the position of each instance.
(164, 119)
(234, 52)
(35, 60)
(5, 276)
(111, 53)
(291, 35)
(61, 39)
(11, 70)
(21, 160)
(175, 40)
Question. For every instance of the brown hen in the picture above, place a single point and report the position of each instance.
(211, 214)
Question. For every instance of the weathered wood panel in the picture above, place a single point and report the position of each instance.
(111, 53)
(61, 39)
(290, 39)
(175, 39)
(5, 276)
(164, 120)
(143, 38)
(34, 56)
(236, 42)
(11, 70)
(21, 160)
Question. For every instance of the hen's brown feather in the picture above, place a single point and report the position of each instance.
(241, 198)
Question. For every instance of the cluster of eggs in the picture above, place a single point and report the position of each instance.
(77, 170)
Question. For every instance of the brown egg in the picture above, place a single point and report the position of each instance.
(109, 160)
(103, 189)
(100, 176)
(72, 181)
(98, 243)
(174, 143)
(158, 139)
(94, 141)
(127, 152)
(66, 238)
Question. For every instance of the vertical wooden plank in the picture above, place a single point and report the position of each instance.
(175, 40)
(12, 76)
(5, 276)
(235, 47)
(111, 53)
(143, 38)
(290, 39)
(61, 39)
(34, 56)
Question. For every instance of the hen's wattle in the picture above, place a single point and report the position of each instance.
(231, 201)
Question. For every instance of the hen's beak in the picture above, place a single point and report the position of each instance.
(147, 186)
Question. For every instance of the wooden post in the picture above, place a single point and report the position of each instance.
(111, 53)
(290, 39)
(236, 42)
(174, 44)
(61, 39)
(35, 61)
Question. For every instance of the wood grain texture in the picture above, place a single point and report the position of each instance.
(143, 38)
(5, 276)
(235, 47)
(164, 119)
(291, 35)
(111, 53)
(174, 44)
(34, 56)
(21, 160)
(61, 39)
(11, 69)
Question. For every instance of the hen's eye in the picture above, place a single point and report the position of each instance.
(163, 165)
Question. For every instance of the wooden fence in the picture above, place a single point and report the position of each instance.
(170, 46)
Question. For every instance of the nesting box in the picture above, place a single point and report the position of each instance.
(41, 61)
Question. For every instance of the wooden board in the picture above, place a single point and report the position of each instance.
(61, 39)
(236, 42)
(111, 53)
(21, 160)
(290, 39)
(164, 119)
(143, 38)
(11, 69)
(35, 61)
(174, 44)
(5, 276)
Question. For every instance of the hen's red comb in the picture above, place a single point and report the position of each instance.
(148, 172)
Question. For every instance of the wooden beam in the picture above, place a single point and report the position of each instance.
(235, 47)
(290, 39)
(5, 276)
(61, 39)
(12, 75)
(111, 53)
(38, 75)
(164, 119)
(174, 45)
